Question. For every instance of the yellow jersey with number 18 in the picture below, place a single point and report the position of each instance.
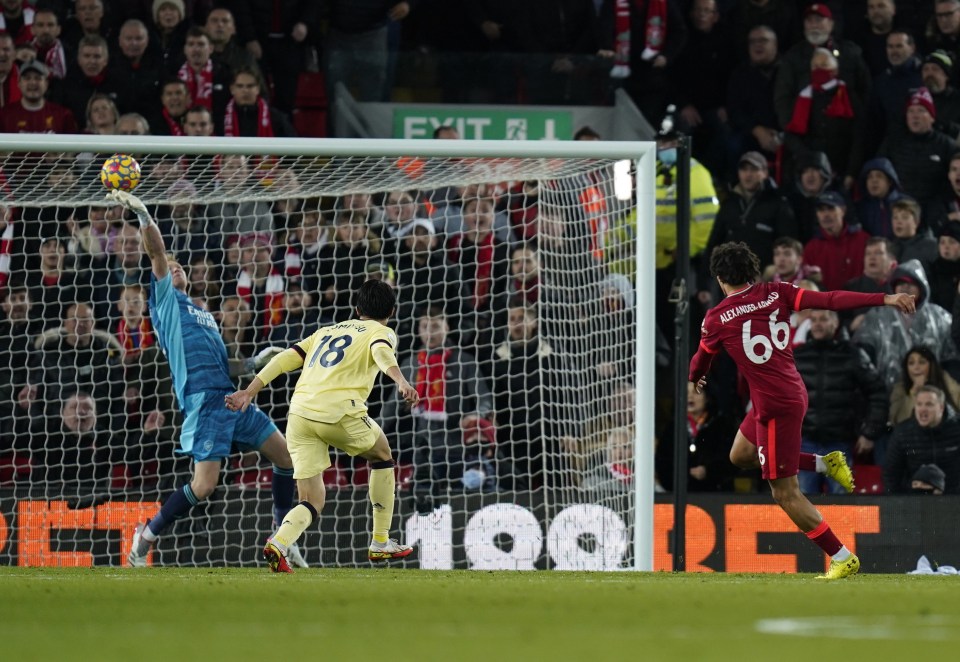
(340, 364)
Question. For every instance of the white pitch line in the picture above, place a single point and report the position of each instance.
(925, 628)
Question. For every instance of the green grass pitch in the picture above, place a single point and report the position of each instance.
(390, 614)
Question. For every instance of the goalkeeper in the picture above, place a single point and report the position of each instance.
(190, 339)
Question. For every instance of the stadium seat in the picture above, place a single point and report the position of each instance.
(361, 475)
(13, 467)
(311, 90)
(310, 122)
(251, 477)
(868, 479)
(121, 477)
(405, 476)
(334, 478)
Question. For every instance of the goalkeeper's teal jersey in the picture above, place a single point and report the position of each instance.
(191, 341)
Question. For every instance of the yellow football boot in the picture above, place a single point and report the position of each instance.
(842, 569)
(839, 470)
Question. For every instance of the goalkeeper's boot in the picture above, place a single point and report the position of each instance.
(139, 549)
(839, 470)
(295, 556)
(275, 557)
(842, 569)
(385, 551)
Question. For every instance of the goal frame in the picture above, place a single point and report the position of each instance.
(641, 153)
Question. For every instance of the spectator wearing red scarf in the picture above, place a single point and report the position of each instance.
(133, 329)
(794, 73)
(827, 118)
(643, 38)
(207, 81)
(452, 391)
(16, 20)
(248, 113)
(48, 45)
(174, 102)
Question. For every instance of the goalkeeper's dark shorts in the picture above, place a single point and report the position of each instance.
(211, 431)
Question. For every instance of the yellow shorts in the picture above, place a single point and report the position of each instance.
(309, 441)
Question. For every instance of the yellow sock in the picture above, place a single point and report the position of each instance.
(382, 487)
(295, 523)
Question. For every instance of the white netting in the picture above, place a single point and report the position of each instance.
(540, 346)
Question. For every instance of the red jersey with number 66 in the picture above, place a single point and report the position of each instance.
(753, 326)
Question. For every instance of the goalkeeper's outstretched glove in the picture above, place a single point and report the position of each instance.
(256, 363)
(131, 202)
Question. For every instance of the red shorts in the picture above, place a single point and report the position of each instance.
(778, 442)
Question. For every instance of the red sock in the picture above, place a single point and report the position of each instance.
(808, 462)
(823, 537)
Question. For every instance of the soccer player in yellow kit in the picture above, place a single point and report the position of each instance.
(329, 408)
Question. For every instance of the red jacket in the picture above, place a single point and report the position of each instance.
(840, 258)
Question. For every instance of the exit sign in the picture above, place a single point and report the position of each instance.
(482, 124)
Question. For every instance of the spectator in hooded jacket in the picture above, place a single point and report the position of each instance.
(888, 335)
(928, 437)
(837, 374)
(813, 177)
(879, 187)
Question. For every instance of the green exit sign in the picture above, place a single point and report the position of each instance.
(483, 124)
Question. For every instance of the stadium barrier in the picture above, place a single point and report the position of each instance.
(731, 533)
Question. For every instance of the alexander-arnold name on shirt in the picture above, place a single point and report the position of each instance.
(737, 311)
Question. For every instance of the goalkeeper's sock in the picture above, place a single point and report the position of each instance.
(811, 462)
(176, 506)
(282, 490)
(294, 524)
(382, 492)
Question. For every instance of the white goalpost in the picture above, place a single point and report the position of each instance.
(534, 446)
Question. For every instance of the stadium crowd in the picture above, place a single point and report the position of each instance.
(825, 137)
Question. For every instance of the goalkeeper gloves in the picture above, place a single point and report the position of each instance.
(133, 203)
(256, 363)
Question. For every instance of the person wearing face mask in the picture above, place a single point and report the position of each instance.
(795, 72)
(703, 210)
(827, 118)
(928, 437)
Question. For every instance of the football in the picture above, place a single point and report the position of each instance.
(120, 171)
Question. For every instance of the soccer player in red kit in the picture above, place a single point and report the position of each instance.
(753, 325)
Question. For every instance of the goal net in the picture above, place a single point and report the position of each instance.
(519, 321)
